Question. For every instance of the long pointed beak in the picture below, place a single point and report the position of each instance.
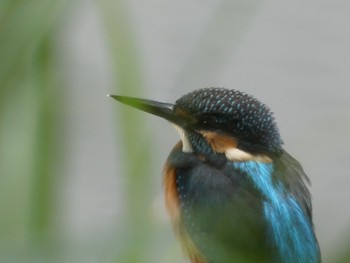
(161, 109)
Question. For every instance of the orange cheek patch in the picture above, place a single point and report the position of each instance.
(219, 142)
(222, 143)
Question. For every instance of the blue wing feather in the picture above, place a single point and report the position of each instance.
(245, 211)
(290, 227)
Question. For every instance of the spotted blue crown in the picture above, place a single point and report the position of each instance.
(236, 113)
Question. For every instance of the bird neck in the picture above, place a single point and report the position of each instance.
(199, 144)
(193, 142)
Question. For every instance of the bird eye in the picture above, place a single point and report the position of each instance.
(209, 122)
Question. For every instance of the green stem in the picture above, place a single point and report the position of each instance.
(135, 146)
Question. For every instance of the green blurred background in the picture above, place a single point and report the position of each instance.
(80, 175)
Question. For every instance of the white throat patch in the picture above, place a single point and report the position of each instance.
(186, 146)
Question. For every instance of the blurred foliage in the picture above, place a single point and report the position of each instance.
(138, 229)
(30, 135)
(27, 117)
(342, 254)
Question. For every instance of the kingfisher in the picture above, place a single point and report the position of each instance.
(232, 192)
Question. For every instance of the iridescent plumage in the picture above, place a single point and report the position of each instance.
(233, 194)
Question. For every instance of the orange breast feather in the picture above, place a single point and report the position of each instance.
(172, 204)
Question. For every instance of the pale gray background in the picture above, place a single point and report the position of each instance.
(292, 55)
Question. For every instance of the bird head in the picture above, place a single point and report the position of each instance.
(218, 120)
